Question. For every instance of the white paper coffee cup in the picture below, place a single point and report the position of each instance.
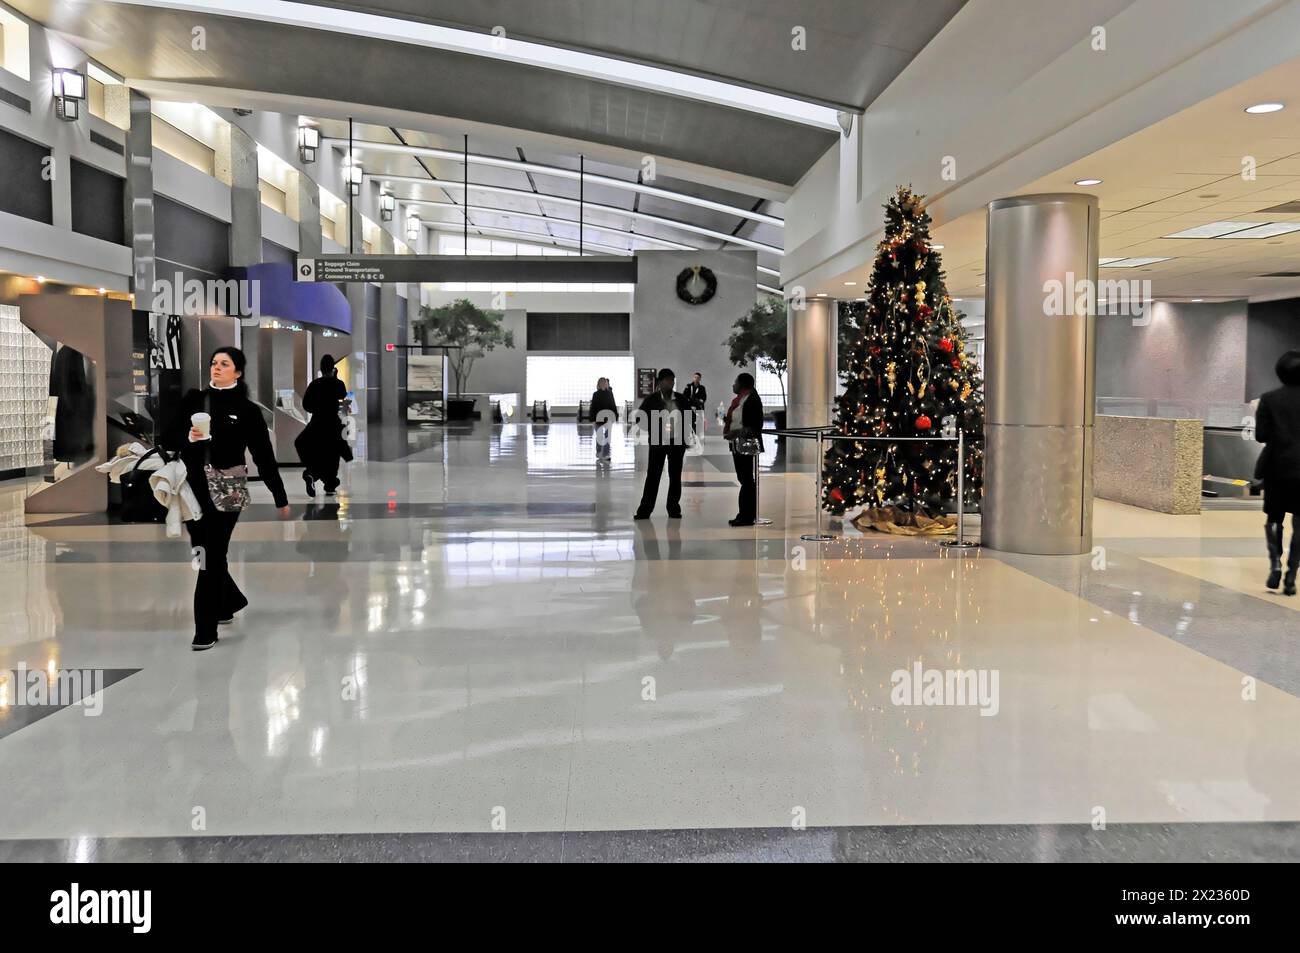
(202, 423)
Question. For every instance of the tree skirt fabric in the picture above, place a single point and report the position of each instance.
(899, 522)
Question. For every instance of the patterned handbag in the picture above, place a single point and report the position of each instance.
(746, 446)
(228, 486)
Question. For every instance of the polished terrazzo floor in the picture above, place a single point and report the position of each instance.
(477, 639)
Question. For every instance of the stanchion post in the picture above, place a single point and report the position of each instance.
(819, 536)
(758, 520)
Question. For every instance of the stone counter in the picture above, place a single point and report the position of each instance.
(1151, 462)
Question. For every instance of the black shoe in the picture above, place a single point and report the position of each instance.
(311, 485)
(331, 490)
(1273, 536)
(226, 621)
(1292, 560)
(641, 516)
(675, 516)
(202, 642)
(740, 522)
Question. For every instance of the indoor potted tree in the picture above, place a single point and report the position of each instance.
(471, 332)
(759, 337)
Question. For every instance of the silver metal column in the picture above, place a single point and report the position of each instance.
(1040, 369)
(139, 198)
(812, 345)
(246, 249)
(388, 360)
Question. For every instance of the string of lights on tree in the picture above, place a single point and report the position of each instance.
(907, 375)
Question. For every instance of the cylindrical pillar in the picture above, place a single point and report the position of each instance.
(1039, 371)
(811, 345)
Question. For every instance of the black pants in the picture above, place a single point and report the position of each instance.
(748, 511)
(674, 456)
(216, 596)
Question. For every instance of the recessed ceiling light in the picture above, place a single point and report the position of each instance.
(1197, 300)
(1133, 262)
(1087, 182)
(850, 283)
(1214, 229)
(1269, 230)
(40, 279)
(937, 247)
(1258, 108)
(103, 291)
(821, 294)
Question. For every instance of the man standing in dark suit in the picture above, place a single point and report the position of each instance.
(697, 398)
(744, 419)
(663, 417)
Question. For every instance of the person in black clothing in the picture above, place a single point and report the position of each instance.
(662, 414)
(236, 427)
(697, 397)
(320, 446)
(748, 424)
(1277, 426)
(604, 411)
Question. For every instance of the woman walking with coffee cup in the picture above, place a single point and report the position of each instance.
(213, 430)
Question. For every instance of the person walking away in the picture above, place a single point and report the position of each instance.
(742, 425)
(604, 412)
(1277, 426)
(321, 446)
(663, 415)
(696, 395)
(213, 430)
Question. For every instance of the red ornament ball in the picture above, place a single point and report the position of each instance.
(956, 363)
(923, 422)
(837, 494)
(945, 345)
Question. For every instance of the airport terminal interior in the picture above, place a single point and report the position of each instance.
(343, 347)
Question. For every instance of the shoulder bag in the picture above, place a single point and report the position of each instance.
(228, 486)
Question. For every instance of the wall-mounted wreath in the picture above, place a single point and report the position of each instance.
(697, 284)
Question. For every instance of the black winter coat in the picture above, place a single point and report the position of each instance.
(1277, 425)
(238, 427)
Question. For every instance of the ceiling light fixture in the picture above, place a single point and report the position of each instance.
(308, 141)
(413, 228)
(1087, 181)
(387, 205)
(69, 87)
(1261, 108)
(850, 283)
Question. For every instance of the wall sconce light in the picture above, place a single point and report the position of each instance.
(387, 205)
(413, 228)
(69, 93)
(354, 174)
(308, 143)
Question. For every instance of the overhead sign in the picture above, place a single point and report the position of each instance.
(381, 269)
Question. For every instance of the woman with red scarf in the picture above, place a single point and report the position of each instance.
(744, 419)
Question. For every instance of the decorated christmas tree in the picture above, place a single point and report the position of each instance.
(907, 374)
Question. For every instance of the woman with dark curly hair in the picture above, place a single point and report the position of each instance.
(213, 430)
